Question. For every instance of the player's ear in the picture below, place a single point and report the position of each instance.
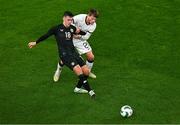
(63, 18)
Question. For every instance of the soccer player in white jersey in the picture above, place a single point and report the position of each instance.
(87, 23)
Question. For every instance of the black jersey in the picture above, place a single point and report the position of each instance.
(64, 36)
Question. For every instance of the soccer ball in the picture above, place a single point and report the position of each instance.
(126, 111)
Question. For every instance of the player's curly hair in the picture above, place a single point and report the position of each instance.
(93, 12)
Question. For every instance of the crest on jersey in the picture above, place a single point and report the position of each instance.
(61, 30)
(71, 30)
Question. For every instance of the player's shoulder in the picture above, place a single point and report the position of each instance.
(54, 28)
(57, 26)
(60, 26)
(80, 16)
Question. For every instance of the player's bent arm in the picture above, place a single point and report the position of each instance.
(86, 37)
(88, 33)
(77, 36)
(79, 32)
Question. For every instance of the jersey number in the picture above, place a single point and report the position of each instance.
(68, 35)
(86, 45)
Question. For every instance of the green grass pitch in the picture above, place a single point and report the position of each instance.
(137, 62)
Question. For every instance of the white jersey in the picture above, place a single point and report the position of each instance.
(81, 44)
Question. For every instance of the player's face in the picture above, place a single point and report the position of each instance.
(92, 19)
(67, 20)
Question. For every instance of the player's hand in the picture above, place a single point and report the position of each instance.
(31, 44)
(78, 30)
(77, 36)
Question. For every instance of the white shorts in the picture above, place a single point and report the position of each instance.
(82, 47)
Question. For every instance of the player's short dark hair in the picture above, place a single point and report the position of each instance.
(68, 13)
(93, 12)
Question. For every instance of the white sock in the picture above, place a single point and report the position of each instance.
(58, 66)
(89, 64)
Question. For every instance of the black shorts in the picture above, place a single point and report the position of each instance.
(72, 60)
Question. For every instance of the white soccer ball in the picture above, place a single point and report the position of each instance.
(126, 111)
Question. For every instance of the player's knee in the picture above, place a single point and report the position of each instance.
(90, 57)
(85, 70)
(77, 69)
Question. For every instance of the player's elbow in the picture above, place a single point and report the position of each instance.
(84, 38)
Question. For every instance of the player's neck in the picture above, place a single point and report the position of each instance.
(65, 25)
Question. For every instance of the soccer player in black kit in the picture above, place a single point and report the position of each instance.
(64, 34)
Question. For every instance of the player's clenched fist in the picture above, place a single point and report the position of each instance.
(31, 44)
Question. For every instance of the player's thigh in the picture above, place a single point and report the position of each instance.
(69, 61)
(80, 61)
(83, 47)
(72, 63)
(83, 65)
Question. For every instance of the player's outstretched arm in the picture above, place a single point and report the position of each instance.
(42, 38)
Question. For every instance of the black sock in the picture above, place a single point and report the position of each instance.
(83, 82)
(79, 84)
(90, 61)
(86, 77)
(87, 86)
(81, 78)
